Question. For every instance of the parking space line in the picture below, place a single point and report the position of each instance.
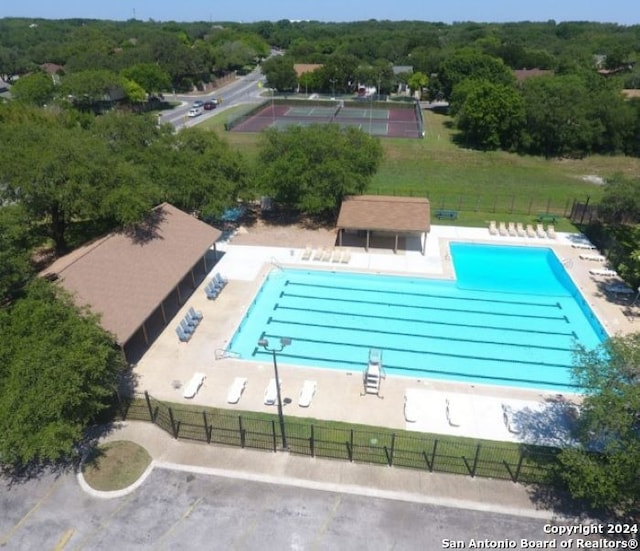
(178, 522)
(327, 522)
(5, 539)
(105, 523)
(64, 540)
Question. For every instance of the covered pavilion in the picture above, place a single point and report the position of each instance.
(137, 280)
(384, 216)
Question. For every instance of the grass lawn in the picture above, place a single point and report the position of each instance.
(345, 441)
(481, 186)
(115, 466)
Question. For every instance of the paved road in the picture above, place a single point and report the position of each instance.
(243, 90)
(181, 510)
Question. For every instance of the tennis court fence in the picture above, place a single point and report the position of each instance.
(405, 449)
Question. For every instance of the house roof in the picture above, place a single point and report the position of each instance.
(302, 68)
(524, 74)
(385, 213)
(124, 276)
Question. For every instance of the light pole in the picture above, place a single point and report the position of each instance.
(284, 341)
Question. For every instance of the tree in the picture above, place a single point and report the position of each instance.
(58, 371)
(605, 470)
(468, 64)
(490, 116)
(621, 201)
(312, 169)
(417, 81)
(37, 89)
(149, 76)
(280, 73)
(15, 243)
(198, 172)
(61, 174)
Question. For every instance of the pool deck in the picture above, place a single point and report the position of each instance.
(248, 257)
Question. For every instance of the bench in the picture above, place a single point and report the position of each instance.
(546, 218)
(447, 214)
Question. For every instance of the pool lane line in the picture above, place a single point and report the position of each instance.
(278, 306)
(431, 295)
(379, 304)
(421, 335)
(288, 354)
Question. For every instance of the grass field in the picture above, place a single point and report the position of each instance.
(482, 186)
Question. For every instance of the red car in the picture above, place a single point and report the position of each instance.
(209, 105)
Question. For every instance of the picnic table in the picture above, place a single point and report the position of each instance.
(447, 214)
(546, 217)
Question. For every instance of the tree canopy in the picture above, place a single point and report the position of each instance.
(312, 169)
(58, 371)
(606, 469)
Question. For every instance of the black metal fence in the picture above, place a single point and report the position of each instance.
(377, 446)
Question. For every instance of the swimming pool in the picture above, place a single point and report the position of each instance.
(512, 318)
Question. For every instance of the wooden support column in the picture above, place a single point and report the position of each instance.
(144, 333)
(395, 247)
(367, 247)
(164, 314)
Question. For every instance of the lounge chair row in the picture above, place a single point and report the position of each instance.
(188, 324)
(518, 230)
(307, 392)
(213, 288)
(337, 255)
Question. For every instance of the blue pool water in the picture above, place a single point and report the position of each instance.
(512, 317)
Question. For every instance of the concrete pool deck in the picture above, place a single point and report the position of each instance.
(246, 260)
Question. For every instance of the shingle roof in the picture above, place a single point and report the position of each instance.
(125, 276)
(385, 213)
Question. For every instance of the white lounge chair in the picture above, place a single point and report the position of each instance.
(520, 229)
(411, 405)
(454, 413)
(346, 256)
(317, 254)
(509, 420)
(493, 230)
(602, 272)
(551, 231)
(307, 392)
(236, 389)
(502, 229)
(511, 228)
(593, 257)
(271, 393)
(192, 387)
(619, 289)
(530, 231)
(583, 245)
(540, 231)
(306, 254)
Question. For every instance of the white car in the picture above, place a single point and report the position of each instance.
(195, 111)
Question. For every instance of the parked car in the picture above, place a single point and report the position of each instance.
(195, 111)
(209, 105)
(198, 103)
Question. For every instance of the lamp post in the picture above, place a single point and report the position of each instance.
(284, 341)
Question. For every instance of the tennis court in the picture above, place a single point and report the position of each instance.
(384, 119)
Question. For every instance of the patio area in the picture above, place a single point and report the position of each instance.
(246, 258)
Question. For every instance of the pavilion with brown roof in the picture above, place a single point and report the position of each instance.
(384, 216)
(136, 281)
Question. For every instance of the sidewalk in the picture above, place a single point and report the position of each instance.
(479, 494)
